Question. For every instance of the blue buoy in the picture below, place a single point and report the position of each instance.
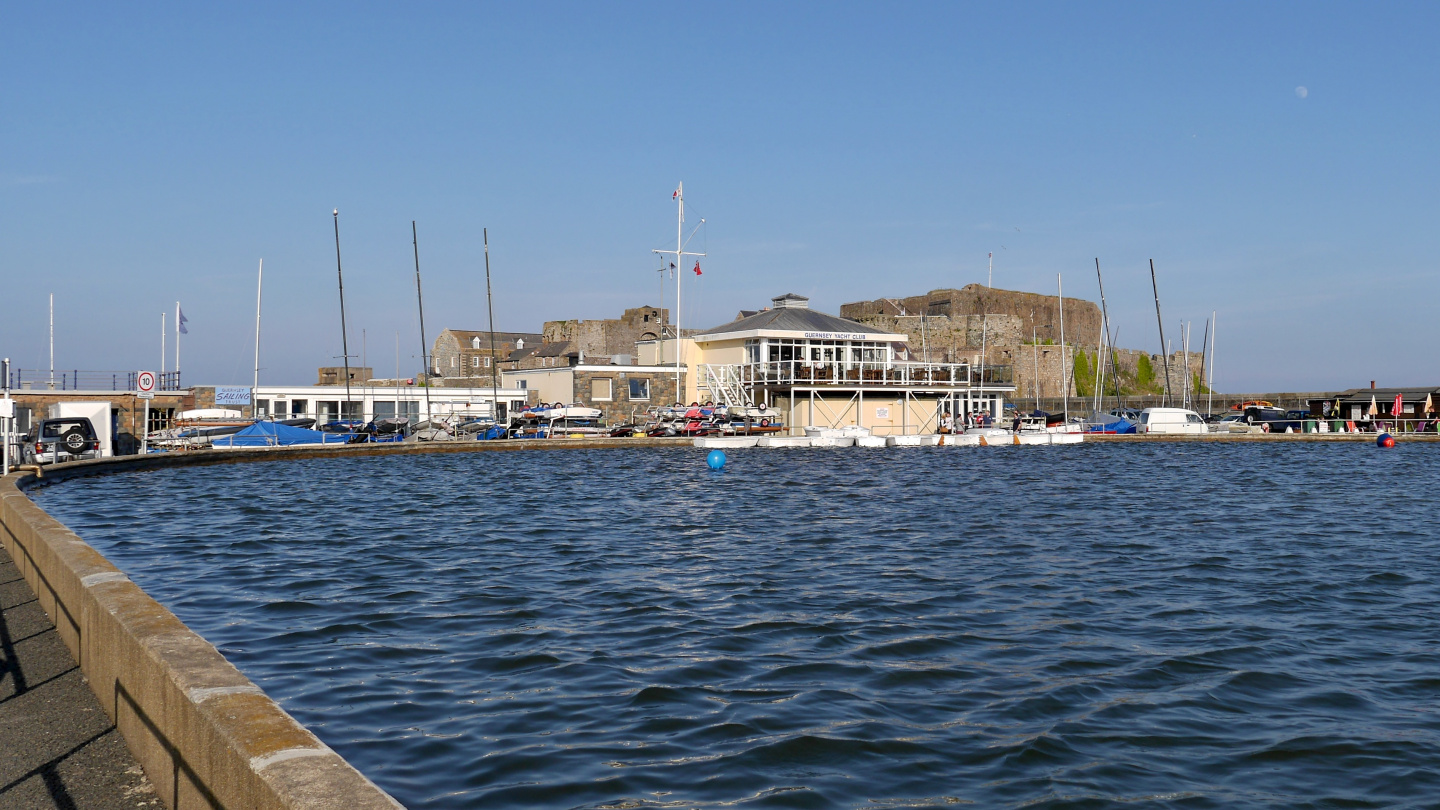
(1384, 440)
(716, 459)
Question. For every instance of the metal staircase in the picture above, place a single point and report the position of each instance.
(725, 386)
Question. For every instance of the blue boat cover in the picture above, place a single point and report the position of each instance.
(1118, 426)
(274, 434)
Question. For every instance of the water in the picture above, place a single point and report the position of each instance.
(1168, 625)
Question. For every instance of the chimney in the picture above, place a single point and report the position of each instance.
(1372, 383)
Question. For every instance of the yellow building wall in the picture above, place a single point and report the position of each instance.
(553, 385)
(884, 415)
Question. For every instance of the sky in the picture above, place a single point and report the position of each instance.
(1276, 161)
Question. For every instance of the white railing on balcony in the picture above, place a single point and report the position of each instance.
(799, 372)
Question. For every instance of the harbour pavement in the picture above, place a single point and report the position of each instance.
(57, 747)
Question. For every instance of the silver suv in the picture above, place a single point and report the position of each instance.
(68, 439)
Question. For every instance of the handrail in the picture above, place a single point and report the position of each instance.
(869, 373)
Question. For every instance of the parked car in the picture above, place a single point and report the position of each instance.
(1276, 418)
(68, 439)
(1171, 420)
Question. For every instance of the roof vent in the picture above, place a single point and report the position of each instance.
(791, 301)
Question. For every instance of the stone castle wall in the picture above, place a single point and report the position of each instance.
(609, 336)
(1039, 314)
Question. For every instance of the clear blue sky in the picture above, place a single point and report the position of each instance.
(150, 154)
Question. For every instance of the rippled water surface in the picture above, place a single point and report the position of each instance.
(1216, 626)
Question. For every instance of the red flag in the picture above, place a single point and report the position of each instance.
(676, 195)
(697, 267)
(1399, 406)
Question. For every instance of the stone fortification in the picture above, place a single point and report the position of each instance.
(608, 337)
(1039, 314)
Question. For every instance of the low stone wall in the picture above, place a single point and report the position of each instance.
(205, 735)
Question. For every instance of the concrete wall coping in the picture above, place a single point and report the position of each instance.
(204, 733)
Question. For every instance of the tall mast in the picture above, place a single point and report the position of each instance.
(1211, 384)
(1161, 323)
(494, 360)
(162, 346)
(344, 340)
(1035, 351)
(52, 341)
(255, 385)
(424, 347)
(680, 253)
(679, 275)
(1064, 366)
(1204, 355)
(1185, 359)
(1110, 339)
(177, 340)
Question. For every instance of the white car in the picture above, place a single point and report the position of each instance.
(1171, 420)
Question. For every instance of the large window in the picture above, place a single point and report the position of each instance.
(844, 353)
(600, 389)
(298, 407)
(384, 409)
(640, 388)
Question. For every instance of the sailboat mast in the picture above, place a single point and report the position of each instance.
(1204, 356)
(1185, 359)
(1161, 322)
(494, 361)
(255, 384)
(177, 342)
(344, 340)
(420, 297)
(1110, 339)
(1035, 351)
(1065, 367)
(1210, 385)
(679, 274)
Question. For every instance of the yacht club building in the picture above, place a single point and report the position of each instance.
(826, 371)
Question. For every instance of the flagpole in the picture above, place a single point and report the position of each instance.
(162, 346)
(177, 340)
(255, 386)
(679, 262)
(680, 271)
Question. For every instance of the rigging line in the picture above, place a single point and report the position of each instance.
(692, 234)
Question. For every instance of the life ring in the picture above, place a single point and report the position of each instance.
(764, 423)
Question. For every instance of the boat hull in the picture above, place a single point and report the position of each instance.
(726, 441)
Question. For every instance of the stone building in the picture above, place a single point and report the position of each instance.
(335, 375)
(622, 393)
(952, 326)
(609, 337)
(462, 353)
(1039, 315)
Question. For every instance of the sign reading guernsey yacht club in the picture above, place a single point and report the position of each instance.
(837, 335)
(231, 395)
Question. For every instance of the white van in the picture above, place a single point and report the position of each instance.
(1171, 420)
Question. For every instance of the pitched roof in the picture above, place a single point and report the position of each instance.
(557, 349)
(791, 319)
(1415, 394)
(464, 336)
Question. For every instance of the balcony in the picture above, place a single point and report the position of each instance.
(790, 373)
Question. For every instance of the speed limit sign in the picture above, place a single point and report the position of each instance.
(145, 382)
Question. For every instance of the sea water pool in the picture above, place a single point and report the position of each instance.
(1174, 625)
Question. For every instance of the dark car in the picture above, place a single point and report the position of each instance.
(1277, 418)
(68, 439)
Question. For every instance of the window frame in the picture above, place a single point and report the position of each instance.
(609, 389)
